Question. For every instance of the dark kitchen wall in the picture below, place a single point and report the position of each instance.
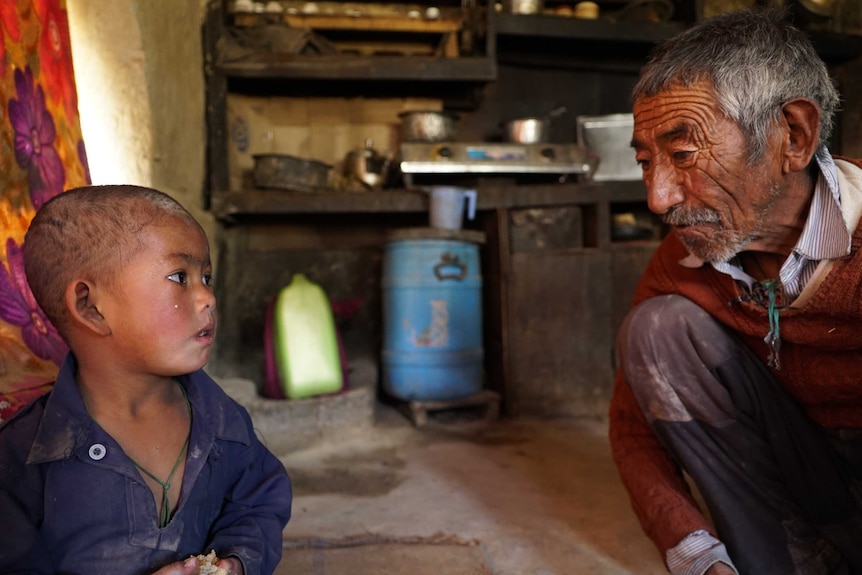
(526, 92)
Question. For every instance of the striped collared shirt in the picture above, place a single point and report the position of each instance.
(825, 235)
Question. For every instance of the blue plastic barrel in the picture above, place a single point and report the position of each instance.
(432, 315)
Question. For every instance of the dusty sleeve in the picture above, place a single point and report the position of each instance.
(255, 511)
(658, 493)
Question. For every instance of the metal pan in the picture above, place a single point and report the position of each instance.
(289, 172)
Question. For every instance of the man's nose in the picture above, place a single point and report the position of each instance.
(664, 188)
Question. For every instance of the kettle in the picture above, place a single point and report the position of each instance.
(367, 165)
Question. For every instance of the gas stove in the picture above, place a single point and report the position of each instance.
(495, 158)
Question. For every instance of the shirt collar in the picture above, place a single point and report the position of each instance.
(825, 235)
(66, 425)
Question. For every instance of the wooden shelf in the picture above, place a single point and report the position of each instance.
(832, 47)
(347, 67)
(372, 23)
(227, 206)
(546, 26)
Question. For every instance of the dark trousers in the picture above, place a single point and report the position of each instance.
(782, 492)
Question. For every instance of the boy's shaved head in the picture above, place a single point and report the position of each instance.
(88, 233)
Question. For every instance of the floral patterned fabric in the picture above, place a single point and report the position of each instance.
(41, 155)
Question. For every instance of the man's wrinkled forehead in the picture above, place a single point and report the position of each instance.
(674, 114)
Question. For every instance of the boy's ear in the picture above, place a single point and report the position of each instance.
(82, 303)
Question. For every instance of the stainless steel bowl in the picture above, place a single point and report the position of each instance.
(428, 126)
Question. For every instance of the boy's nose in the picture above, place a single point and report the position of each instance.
(206, 298)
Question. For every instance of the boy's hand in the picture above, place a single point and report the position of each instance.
(232, 565)
(187, 567)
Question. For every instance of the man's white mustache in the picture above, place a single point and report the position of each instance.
(688, 217)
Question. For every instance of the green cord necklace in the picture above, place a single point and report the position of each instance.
(165, 509)
(773, 338)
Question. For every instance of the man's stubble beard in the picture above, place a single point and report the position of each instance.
(723, 244)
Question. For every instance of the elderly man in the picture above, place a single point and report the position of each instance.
(741, 360)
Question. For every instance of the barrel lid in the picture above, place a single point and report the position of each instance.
(472, 236)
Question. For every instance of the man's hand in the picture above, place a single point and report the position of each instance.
(720, 569)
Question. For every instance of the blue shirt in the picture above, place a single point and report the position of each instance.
(71, 501)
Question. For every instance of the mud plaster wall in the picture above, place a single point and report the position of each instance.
(139, 70)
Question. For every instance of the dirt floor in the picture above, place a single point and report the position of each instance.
(460, 496)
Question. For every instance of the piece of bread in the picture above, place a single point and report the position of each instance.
(207, 565)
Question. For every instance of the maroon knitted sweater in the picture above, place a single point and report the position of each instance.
(821, 365)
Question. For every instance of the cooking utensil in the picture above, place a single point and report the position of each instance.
(446, 206)
(825, 8)
(428, 126)
(645, 11)
(523, 6)
(367, 165)
(289, 172)
(532, 130)
(609, 137)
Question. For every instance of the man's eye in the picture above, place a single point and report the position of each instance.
(179, 277)
(208, 280)
(682, 156)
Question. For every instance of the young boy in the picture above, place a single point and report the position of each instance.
(136, 460)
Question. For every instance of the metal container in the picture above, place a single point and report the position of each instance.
(532, 129)
(289, 172)
(610, 138)
(432, 316)
(523, 6)
(528, 130)
(428, 126)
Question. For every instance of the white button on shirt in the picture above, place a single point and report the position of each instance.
(97, 451)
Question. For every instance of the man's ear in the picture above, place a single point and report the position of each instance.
(802, 118)
(82, 302)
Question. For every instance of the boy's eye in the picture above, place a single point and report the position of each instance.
(179, 277)
(208, 280)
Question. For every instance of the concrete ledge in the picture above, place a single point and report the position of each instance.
(292, 424)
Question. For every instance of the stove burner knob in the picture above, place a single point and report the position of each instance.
(444, 152)
(548, 153)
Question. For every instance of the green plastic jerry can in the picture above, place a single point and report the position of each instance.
(305, 341)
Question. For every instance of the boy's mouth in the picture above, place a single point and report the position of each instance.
(207, 332)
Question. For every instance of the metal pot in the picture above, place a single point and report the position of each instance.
(428, 126)
(367, 165)
(289, 172)
(528, 130)
(532, 130)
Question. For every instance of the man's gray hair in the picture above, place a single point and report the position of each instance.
(755, 61)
